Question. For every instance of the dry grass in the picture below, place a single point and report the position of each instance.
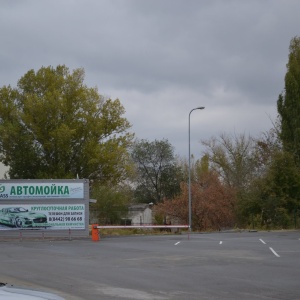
(133, 231)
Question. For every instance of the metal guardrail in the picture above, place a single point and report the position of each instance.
(141, 226)
(96, 227)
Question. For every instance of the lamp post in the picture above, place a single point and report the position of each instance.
(190, 194)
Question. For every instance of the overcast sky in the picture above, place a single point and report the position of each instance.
(162, 58)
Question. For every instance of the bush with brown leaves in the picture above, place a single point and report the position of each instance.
(212, 205)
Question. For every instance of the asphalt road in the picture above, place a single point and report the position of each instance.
(246, 265)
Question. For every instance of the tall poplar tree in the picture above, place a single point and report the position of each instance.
(288, 103)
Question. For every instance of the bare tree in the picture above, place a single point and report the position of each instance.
(233, 157)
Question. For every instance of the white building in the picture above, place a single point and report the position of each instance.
(140, 214)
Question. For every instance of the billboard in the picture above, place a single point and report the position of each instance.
(43, 190)
(42, 216)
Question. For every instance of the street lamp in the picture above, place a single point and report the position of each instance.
(190, 196)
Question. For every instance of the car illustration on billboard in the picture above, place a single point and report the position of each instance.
(20, 217)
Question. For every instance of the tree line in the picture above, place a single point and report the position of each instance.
(54, 126)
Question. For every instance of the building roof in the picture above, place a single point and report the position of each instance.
(138, 207)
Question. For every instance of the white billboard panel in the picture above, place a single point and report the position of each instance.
(42, 216)
(32, 190)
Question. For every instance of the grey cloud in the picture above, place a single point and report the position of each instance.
(173, 54)
(148, 45)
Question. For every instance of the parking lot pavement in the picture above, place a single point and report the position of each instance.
(238, 265)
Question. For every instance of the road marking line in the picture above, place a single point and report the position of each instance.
(221, 242)
(274, 252)
(177, 243)
(262, 241)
